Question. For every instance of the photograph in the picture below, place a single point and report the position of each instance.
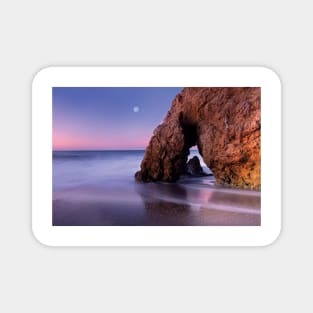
(156, 156)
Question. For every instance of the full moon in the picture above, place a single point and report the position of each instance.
(136, 109)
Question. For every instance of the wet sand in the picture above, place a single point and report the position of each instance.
(190, 202)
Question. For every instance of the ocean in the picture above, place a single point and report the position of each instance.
(97, 188)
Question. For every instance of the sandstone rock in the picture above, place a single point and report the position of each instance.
(225, 124)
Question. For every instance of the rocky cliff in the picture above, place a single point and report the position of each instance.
(225, 124)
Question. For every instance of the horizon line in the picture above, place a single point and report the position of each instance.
(99, 149)
(132, 149)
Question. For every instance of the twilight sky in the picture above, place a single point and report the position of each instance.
(87, 118)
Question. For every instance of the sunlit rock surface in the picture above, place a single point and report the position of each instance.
(225, 124)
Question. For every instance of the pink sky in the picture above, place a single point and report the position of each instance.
(67, 141)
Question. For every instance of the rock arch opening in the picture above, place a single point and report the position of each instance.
(194, 163)
(190, 135)
(201, 168)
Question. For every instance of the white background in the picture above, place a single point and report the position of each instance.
(35, 34)
(42, 126)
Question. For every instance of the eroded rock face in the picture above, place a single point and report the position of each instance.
(225, 124)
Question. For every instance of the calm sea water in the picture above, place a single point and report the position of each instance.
(98, 188)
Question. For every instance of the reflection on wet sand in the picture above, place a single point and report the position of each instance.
(202, 204)
(190, 202)
(161, 208)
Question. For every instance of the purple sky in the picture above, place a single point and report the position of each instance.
(87, 118)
